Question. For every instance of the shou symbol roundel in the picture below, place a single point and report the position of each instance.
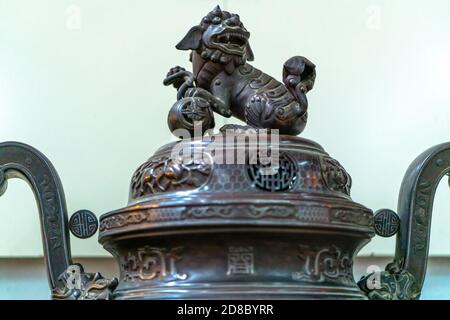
(83, 224)
(274, 178)
(386, 223)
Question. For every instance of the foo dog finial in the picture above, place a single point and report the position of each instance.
(223, 82)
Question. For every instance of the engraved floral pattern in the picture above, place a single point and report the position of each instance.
(335, 176)
(166, 174)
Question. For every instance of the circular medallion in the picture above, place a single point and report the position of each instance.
(386, 223)
(274, 177)
(83, 224)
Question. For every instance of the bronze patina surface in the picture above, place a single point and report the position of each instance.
(208, 230)
(222, 81)
(209, 218)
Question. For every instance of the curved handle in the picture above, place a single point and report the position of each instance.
(403, 278)
(415, 207)
(18, 160)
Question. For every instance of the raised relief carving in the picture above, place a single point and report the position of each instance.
(240, 261)
(327, 264)
(335, 176)
(253, 212)
(81, 285)
(420, 228)
(361, 218)
(165, 174)
(306, 214)
(137, 217)
(151, 263)
(52, 218)
(391, 284)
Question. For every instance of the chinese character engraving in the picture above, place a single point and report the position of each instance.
(240, 261)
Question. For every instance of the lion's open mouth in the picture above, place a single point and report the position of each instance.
(232, 39)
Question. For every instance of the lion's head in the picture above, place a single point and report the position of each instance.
(220, 37)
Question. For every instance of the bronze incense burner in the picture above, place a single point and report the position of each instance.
(250, 212)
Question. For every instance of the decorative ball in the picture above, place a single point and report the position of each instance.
(190, 116)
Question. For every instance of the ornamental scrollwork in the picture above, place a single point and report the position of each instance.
(327, 264)
(335, 176)
(354, 217)
(79, 285)
(391, 284)
(151, 263)
(166, 174)
(288, 212)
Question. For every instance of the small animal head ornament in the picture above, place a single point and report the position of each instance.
(220, 37)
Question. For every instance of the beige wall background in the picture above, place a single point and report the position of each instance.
(81, 80)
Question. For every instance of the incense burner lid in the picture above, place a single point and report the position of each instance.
(310, 188)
